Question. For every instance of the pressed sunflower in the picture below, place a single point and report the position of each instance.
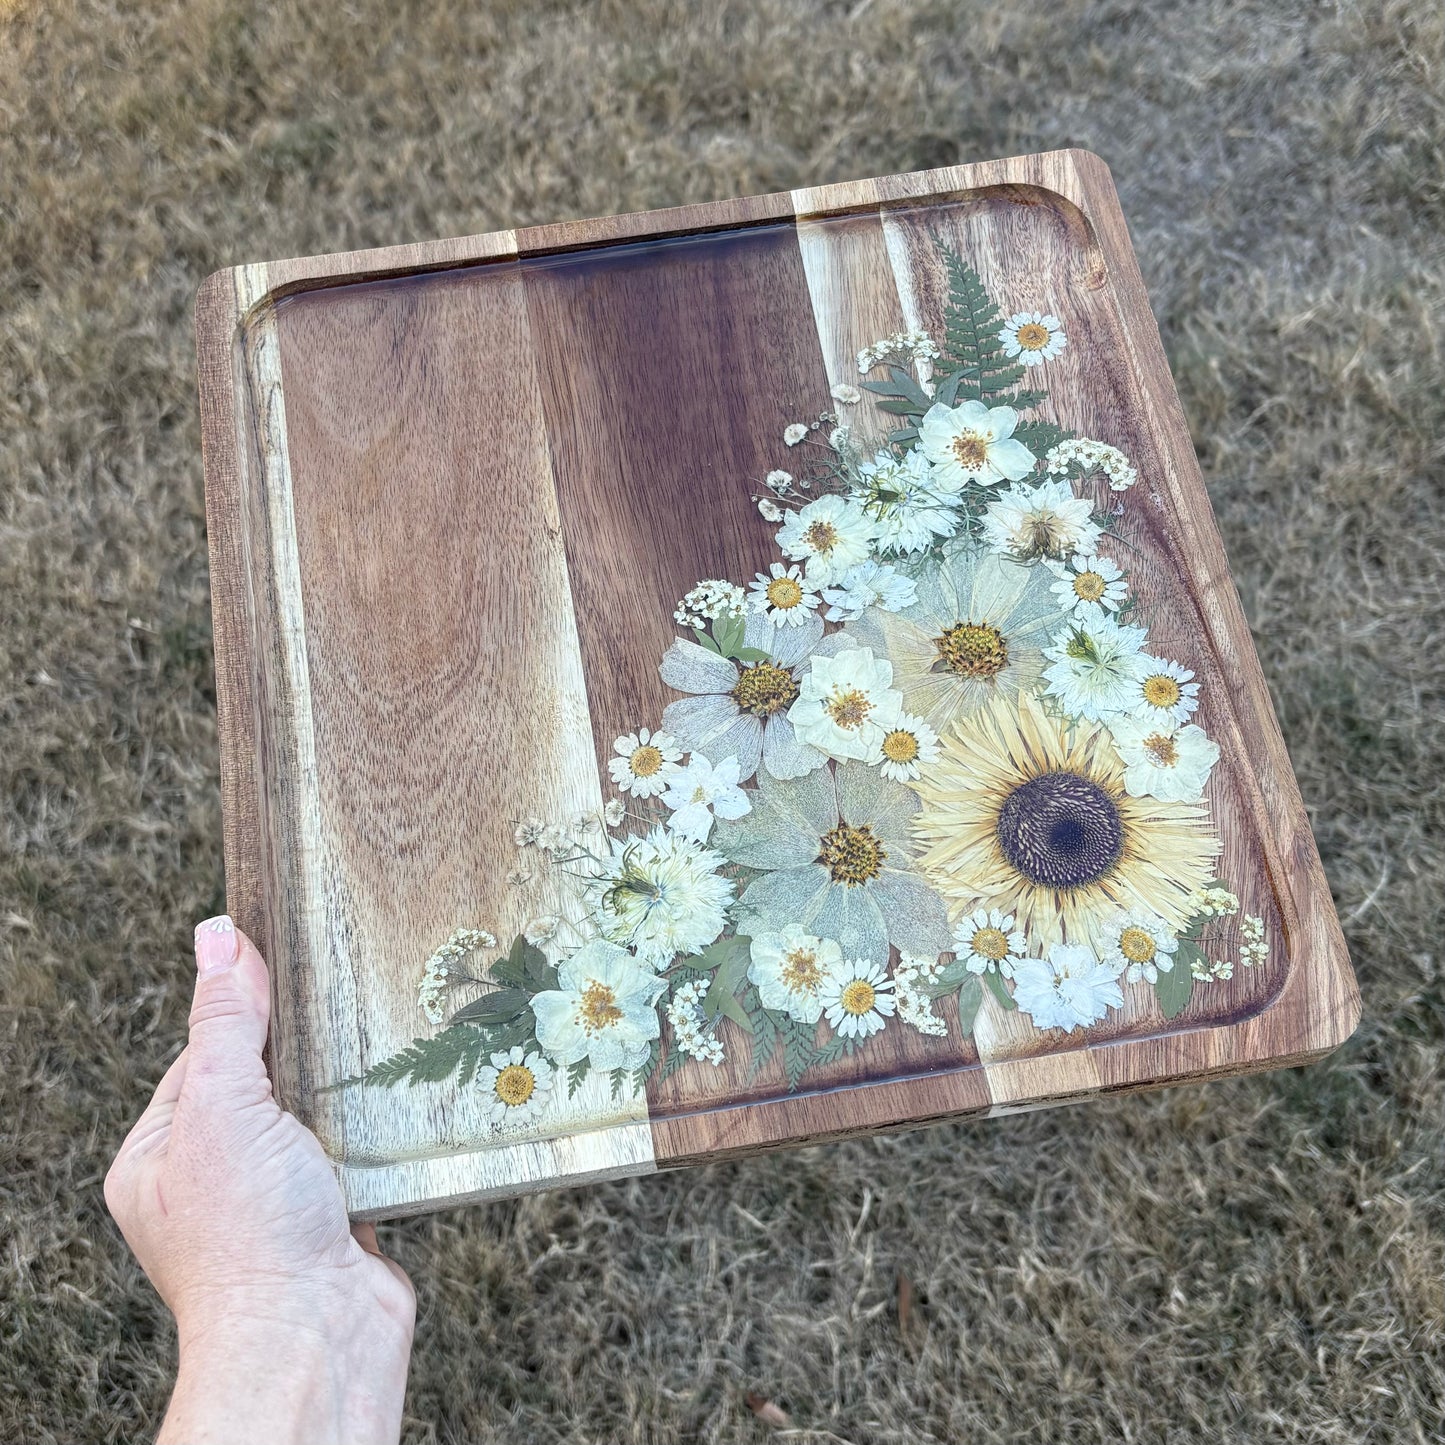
(1029, 814)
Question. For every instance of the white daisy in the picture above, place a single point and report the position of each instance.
(1033, 336)
(1044, 521)
(1094, 664)
(829, 535)
(990, 942)
(785, 597)
(790, 968)
(846, 704)
(605, 1009)
(907, 511)
(857, 997)
(1067, 990)
(1085, 579)
(795, 433)
(846, 395)
(769, 510)
(869, 584)
(644, 762)
(700, 790)
(1171, 764)
(973, 443)
(515, 1086)
(662, 896)
(908, 745)
(1166, 693)
(1139, 945)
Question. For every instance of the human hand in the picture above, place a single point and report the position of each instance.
(292, 1325)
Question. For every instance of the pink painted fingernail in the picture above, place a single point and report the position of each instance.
(215, 944)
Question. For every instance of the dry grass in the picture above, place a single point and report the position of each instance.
(1260, 1260)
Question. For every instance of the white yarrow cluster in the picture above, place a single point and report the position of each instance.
(1211, 970)
(1214, 902)
(1086, 456)
(712, 598)
(1255, 948)
(907, 346)
(689, 1025)
(911, 979)
(441, 968)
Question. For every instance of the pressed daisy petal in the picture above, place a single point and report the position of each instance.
(852, 917)
(792, 895)
(917, 919)
(783, 755)
(690, 668)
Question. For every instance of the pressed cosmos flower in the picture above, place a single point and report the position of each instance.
(644, 762)
(1033, 336)
(858, 998)
(783, 595)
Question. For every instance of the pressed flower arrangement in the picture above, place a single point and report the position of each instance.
(930, 750)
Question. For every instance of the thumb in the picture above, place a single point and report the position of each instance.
(230, 1014)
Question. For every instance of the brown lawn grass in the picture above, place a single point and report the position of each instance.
(1259, 1260)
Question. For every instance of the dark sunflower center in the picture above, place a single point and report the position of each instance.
(765, 688)
(851, 855)
(1060, 830)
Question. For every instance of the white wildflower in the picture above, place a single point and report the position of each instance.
(709, 601)
(795, 433)
(1083, 457)
(846, 395)
(690, 1029)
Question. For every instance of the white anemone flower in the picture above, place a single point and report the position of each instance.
(515, 1086)
(700, 790)
(662, 896)
(1169, 763)
(858, 998)
(1139, 944)
(783, 595)
(1089, 579)
(828, 536)
(846, 704)
(604, 1010)
(739, 709)
(1094, 665)
(1068, 990)
(1047, 521)
(1033, 336)
(973, 443)
(869, 584)
(789, 969)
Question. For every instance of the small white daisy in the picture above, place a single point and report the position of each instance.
(702, 790)
(644, 763)
(1171, 764)
(1139, 945)
(1094, 664)
(1038, 522)
(795, 433)
(829, 536)
(515, 1086)
(1085, 579)
(907, 746)
(1067, 990)
(1033, 336)
(785, 597)
(846, 395)
(869, 584)
(857, 998)
(989, 941)
(1166, 692)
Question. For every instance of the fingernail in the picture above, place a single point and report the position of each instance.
(215, 944)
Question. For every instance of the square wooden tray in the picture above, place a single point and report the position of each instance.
(456, 492)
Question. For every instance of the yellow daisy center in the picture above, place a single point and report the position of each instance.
(599, 1007)
(849, 708)
(1160, 690)
(1032, 336)
(990, 943)
(801, 972)
(851, 855)
(972, 649)
(764, 688)
(645, 761)
(1137, 945)
(970, 448)
(1162, 749)
(900, 747)
(1089, 586)
(515, 1084)
(784, 593)
(858, 997)
(821, 537)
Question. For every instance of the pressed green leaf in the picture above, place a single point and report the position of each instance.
(970, 1000)
(494, 1008)
(996, 987)
(703, 640)
(1175, 988)
(576, 1073)
(751, 654)
(950, 976)
(901, 408)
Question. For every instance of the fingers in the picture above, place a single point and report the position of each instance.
(229, 1016)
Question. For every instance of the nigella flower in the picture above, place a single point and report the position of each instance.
(909, 513)
(837, 856)
(869, 584)
(739, 709)
(1095, 664)
(1046, 521)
